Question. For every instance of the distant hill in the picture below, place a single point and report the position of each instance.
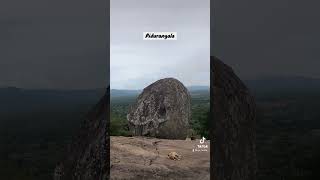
(124, 92)
(284, 84)
(115, 93)
(198, 88)
(22, 100)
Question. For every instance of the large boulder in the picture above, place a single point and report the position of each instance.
(162, 110)
(234, 120)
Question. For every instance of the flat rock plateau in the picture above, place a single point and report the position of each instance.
(144, 158)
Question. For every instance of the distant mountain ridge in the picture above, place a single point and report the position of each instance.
(198, 88)
(13, 99)
(283, 84)
(124, 92)
(264, 83)
(9, 95)
(260, 85)
(129, 92)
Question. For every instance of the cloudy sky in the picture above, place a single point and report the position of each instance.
(63, 43)
(268, 38)
(136, 63)
(53, 44)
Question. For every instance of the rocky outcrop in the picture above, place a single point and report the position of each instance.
(146, 158)
(233, 154)
(87, 157)
(162, 110)
(233, 139)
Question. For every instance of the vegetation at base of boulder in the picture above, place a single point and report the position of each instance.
(199, 114)
(200, 121)
(118, 125)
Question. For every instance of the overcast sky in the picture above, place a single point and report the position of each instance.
(268, 38)
(55, 44)
(62, 43)
(136, 63)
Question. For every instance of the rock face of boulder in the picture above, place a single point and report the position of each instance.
(162, 110)
(234, 113)
(87, 157)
